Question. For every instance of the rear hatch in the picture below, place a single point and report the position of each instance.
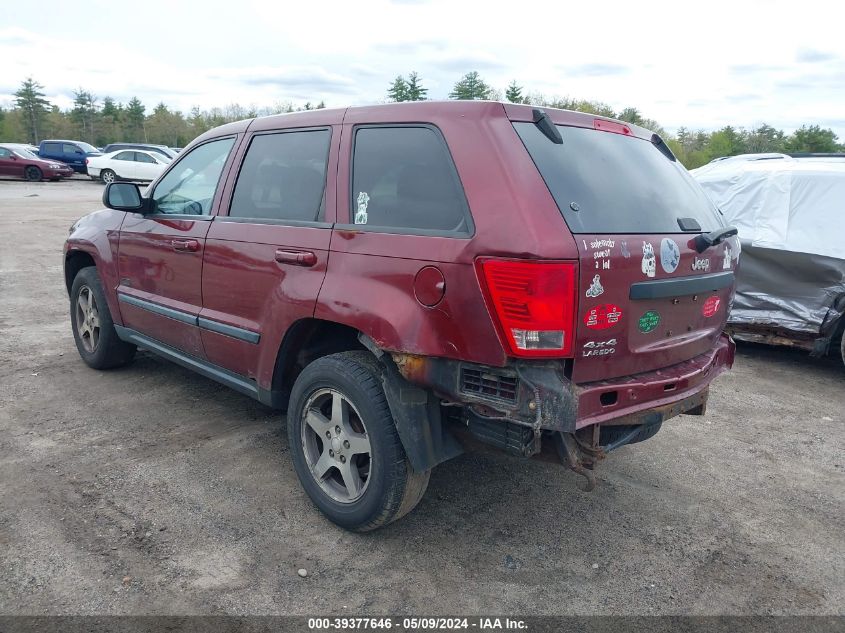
(647, 298)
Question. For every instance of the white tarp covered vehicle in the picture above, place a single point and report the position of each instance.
(790, 213)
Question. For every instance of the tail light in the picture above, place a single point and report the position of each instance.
(86, 161)
(534, 304)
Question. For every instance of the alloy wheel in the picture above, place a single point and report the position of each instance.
(336, 445)
(87, 319)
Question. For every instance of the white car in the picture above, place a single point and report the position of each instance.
(127, 164)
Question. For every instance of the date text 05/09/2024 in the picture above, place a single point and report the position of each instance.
(417, 624)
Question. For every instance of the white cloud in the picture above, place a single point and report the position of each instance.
(727, 62)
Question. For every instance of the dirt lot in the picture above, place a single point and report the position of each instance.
(152, 490)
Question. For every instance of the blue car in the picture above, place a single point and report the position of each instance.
(74, 153)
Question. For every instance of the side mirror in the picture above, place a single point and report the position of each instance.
(13, 156)
(123, 196)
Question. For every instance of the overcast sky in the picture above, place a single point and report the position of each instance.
(702, 64)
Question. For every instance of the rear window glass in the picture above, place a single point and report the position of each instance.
(618, 184)
(404, 178)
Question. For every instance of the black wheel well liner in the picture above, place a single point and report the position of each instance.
(74, 262)
(304, 342)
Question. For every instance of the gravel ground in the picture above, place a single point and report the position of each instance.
(151, 490)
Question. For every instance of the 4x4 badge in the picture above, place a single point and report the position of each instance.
(649, 321)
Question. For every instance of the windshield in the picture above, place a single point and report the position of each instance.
(24, 153)
(609, 183)
(87, 148)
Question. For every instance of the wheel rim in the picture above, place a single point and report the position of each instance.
(336, 445)
(32, 173)
(87, 319)
(108, 177)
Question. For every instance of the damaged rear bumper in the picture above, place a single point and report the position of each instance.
(540, 396)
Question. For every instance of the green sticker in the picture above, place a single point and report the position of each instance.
(649, 321)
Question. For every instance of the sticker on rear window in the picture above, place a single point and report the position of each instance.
(595, 288)
(711, 306)
(649, 321)
(361, 213)
(649, 263)
(670, 255)
(726, 264)
(603, 316)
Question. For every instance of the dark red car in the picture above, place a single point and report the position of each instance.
(18, 162)
(409, 279)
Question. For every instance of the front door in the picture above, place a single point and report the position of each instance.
(9, 166)
(160, 252)
(265, 260)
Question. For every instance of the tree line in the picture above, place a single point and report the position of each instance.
(99, 122)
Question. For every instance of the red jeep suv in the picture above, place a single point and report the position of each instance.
(409, 279)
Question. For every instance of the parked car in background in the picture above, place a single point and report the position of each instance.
(127, 164)
(158, 149)
(410, 279)
(16, 161)
(73, 153)
(177, 149)
(789, 211)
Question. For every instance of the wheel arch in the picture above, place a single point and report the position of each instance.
(416, 411)
(75, 261)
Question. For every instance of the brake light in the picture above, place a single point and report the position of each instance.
(611, 126)
(86, 161)
(534, 304)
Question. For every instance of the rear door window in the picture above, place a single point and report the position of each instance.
(404, 178)
(52, 148)
(143, 158)
(283, 177)
(610, 183)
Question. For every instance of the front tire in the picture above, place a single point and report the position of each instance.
(346, 451)
(33, 174)
(108, 176)
(93, 328)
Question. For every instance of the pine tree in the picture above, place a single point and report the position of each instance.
(31, 101)
(470, 87)
(135, 119)
(415, 91)
(398, 90)
(514, 93)
(84, 112)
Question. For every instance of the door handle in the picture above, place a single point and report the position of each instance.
(297, 258)
(190, 246)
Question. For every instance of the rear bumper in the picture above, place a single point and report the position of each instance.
(631, 395)
(540, 396)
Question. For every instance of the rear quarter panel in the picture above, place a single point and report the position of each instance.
(370, 280)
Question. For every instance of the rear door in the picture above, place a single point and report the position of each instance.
(266, 255)
(146, 167)
(10, 166)
(647, 299)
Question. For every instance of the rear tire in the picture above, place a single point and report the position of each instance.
(108, 176)
(93, 328)
(33, 174)
(340, 430)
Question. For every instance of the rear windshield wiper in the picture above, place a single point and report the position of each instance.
(706, 240)
(546, 126)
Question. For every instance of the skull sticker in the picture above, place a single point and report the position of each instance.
(649, 265)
